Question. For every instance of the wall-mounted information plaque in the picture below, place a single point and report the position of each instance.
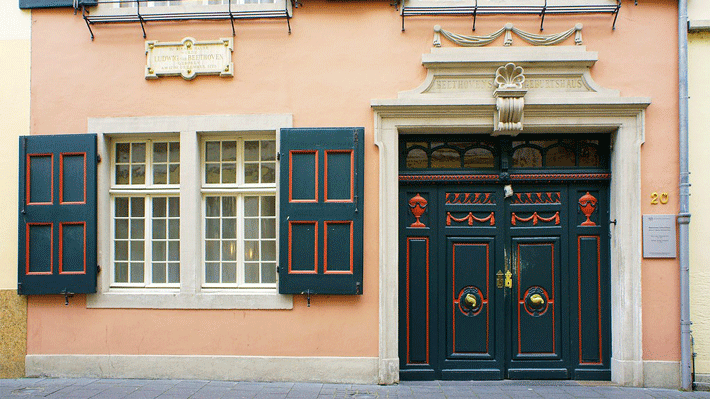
(189, 58)
(659, 236)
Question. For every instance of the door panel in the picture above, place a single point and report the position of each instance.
(550, 321)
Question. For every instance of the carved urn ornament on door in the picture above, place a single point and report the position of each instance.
(588, 203)
(508, 118)
(417, 205)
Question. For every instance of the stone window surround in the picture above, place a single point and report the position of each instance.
(602, 111)
(190, 295)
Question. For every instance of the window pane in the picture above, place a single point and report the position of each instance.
(268, 273)
(251, 250)
(174, 229)
(229, 206)
(588, 156)
(173, 272)
(478, 158)
(268, 205)
(212, 205)
(159, 251)
(160, 152)
(268, 150)
(212, 272)
(122, 174)
(251, 228)
(212, 228)
(123, 151)
(212, 173)
(174, 174)
(159, 229)
(229, 228)
(229, 273)
(121, 229)
(268, 172)
(212, 250)
(137, 273)
(229, 173)
(229, 151)
(159, 206)
(174, 152)
(251, 173)
(268, 228)
(160, 174)
(527, 157)
(251, 206)
(559, 156)
(212, 151)
(251, 273)
(137, 229)
(268, 250)
(121, 272)
(137, 250)
(174, 203)
(138, 153)
(137, 207)
(158, 273)
(251, 150)
(229, 250)
(174, 250)
(121, 250)
(445, 158)
(138, 174)
(121, 207)
(417, 159)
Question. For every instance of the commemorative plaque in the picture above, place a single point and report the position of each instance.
(659, 236)
(189, 58)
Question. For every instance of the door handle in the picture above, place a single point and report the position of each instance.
(470, 300)
(508, 279)
(500, 279)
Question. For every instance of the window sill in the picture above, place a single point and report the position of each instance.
(171, 299)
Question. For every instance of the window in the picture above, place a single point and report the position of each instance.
(163, 198)
(146, 214)
(239, 189)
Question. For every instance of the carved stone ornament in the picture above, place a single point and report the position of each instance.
(508, 118)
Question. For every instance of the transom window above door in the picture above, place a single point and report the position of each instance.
(471, 153)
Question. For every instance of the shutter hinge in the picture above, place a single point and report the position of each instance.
(278, 269)
(355, 199)
(278, 156)
(98, 158)
(358, 288)
(98, 269)
(19, 288)
(355, 134)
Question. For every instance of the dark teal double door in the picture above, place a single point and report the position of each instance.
(495, 286)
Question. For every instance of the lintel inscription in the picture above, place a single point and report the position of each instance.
(570, 84)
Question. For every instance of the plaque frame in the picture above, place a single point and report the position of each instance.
(189, 58)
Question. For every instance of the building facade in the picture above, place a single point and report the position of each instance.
(698, 47)
(351, 191)
(15, 114)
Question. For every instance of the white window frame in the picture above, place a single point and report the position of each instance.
(191, 130)
(240, 189)
(117, 7)
(147, 191)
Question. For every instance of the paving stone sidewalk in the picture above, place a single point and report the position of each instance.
(84, 388)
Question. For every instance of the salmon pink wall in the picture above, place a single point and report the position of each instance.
(340, 56)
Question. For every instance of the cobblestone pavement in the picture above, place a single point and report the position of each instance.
(83, 388)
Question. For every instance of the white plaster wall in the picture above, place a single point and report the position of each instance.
(699, 140)
(15, 117)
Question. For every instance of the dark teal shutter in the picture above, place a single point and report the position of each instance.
(26, 4)
(321, 211)
(57, 215)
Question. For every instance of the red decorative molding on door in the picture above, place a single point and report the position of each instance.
(535, 218)
(470, 198)
(588, 203)
(470, 218)
(417, 205)
(536, 198)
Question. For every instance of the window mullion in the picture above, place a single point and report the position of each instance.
(240, 240)
(148, 257)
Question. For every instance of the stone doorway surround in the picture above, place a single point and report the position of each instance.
(559, 96)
